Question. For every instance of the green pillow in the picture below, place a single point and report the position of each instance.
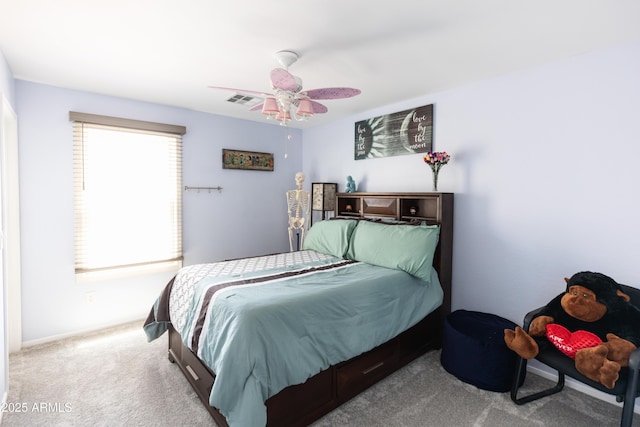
(408, 248)
(330, 237)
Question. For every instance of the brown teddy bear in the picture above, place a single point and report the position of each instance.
(593, 321)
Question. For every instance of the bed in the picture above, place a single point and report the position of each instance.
(283, 339)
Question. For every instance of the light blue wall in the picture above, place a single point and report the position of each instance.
(544, 169)
(249, 216)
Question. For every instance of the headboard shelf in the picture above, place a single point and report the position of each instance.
(401, 206)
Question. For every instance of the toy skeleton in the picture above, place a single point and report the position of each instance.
(298, 202)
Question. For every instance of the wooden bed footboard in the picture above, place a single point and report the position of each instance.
(300, 405)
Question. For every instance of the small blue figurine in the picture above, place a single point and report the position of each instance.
(351, 185)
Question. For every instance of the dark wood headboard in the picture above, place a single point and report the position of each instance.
(434, 208)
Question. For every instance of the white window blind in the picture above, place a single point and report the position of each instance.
(128, 193)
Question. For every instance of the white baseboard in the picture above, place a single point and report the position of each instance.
(583, 388)
(98, 328)
(4, 402)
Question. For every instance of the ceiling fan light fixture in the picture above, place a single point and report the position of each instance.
(305, 109)
(270, 107)
(283, 116)
(287, 99)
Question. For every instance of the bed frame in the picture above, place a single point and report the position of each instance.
(300, 405)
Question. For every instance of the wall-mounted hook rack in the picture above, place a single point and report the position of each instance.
(187, 188)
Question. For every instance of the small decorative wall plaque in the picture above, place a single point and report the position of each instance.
(249, 160)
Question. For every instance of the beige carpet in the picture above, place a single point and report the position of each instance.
(116, 378)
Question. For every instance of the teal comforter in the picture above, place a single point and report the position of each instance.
(265, 330)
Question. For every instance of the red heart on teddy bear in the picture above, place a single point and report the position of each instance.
(570, 342)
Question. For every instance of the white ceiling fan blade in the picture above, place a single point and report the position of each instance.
(332, 93)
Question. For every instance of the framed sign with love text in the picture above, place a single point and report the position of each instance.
(397, 134)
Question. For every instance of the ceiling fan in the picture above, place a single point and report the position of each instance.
(288, 101)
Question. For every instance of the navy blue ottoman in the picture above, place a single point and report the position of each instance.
(473, 350)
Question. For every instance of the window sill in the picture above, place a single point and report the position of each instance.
(127, 272)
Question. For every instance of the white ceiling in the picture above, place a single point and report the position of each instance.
(169, 51)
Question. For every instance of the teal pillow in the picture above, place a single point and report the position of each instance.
(330, 237)
(408, 248)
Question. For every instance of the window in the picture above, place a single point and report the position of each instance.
(128, 193)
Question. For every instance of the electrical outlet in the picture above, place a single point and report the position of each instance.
(91, 297)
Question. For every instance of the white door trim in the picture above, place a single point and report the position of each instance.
(11, 224)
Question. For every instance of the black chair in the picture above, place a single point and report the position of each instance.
(626, 389)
